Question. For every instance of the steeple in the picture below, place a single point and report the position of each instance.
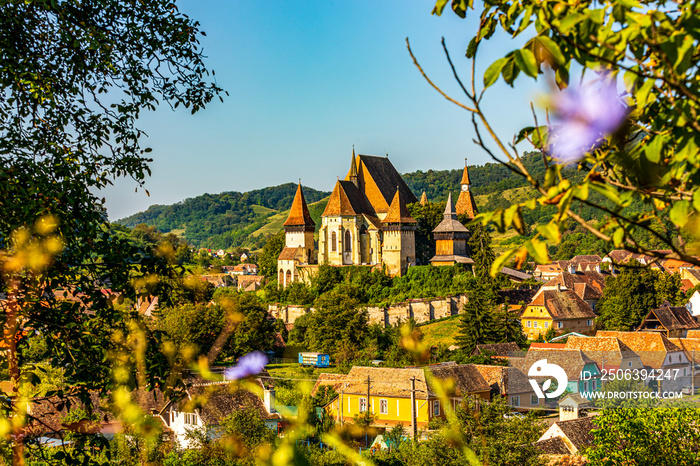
(465, 203)
(398, 212)
(465, 175)
(299, 215)
(450, 213)
(423, 199)
(353, 168)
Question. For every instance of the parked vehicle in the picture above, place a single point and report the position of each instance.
(687, 390)
(314, 359)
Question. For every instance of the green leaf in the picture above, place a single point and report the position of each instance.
(538, 250)
(510, 70)
(460, 7)
(471, 48)
(550, 231)
(618, 237)
(679, 213)
(501, 261)
(653, 150)
(696, 200)
(552, 49)
(642, 95)
(526, 61)
(492, 72)
(439, 7)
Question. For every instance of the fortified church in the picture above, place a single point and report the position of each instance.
(366, 222)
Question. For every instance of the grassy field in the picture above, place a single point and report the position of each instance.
(443, 332)
(274, 223)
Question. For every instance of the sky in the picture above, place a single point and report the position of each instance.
(307, 80)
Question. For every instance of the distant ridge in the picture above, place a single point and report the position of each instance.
(231, 219)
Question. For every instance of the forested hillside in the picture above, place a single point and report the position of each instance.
(221, 220)
(232, 219)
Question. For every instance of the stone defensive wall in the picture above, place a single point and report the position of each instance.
(422, 310)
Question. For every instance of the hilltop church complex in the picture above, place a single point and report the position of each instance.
(366, 222)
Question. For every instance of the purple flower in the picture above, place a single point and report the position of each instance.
(582, 117)
(250, 364)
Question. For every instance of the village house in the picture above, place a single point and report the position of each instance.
(511, 384)
(691, 348)
(557, 307)
(583, 374)
(588, 285)
(575, 434)
(205, 405)
(672, 321)
(389, 391)
(690, 278)
(609, 353)
(658, 353)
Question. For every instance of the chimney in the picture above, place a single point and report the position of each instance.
(558, 287)
(597, 268)
(269, 400)
(572, 268)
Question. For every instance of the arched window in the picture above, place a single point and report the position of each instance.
(347, 241)
(288, 278)
(334, 241)
(280, 280)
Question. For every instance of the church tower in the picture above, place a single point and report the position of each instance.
(465, 202)
(298, 241)
(299, 228)
(399, 237)
(450, 239)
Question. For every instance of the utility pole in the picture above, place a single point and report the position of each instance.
(368, 401)
(414, 426)
(692, 374)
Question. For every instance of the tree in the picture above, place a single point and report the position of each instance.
(496, 439)
(476, 324)
(634, 150)
(77, 75)
(428, 217)
(271, 251)
(337, 319)
(629, 296)
(646, 436)
(235, 325)
(248, 427)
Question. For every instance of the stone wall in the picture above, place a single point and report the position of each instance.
(422, 310)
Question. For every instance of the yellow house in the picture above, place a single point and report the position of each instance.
(557, 307)
(389, 393)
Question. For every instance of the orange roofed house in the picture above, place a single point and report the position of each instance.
(389, 392)
(672, 321)
(366, 222)
(656, 352)
(558, 307)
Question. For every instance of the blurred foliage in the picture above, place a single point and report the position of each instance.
(630, 295)
(641, 181)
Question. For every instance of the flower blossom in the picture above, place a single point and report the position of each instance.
(582, 117)
(250, 364)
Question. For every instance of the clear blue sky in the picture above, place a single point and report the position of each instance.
(307, 80)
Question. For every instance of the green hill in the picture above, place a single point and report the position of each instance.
(234, 219)
(223, 220)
